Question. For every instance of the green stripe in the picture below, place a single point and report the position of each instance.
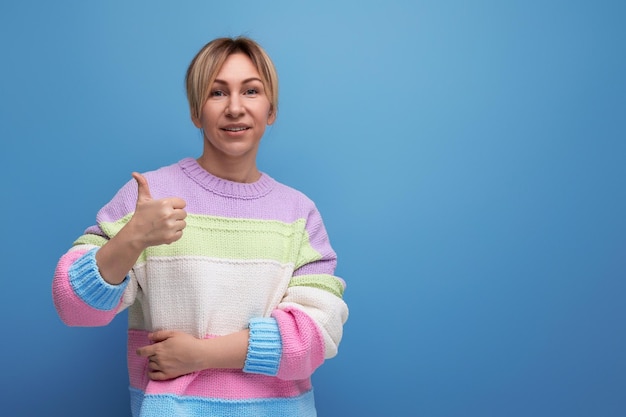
(322, 281)
(90, 239)
(227, 238)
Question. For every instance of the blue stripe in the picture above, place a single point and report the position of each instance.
(173, 405)
(264, 347)
(89, 285)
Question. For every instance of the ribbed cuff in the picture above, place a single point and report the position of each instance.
(89, 285)
(264, 347)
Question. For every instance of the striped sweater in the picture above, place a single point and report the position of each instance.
(252, 256)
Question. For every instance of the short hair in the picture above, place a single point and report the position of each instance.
(204, 67)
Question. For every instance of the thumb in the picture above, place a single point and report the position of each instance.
(143, 190)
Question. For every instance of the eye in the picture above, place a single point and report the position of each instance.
(251, 91)
(217, 93)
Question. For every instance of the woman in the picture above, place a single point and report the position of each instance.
(228, 275)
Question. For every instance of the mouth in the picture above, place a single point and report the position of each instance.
(235, 128)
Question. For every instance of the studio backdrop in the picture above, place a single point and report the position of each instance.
(468, 158)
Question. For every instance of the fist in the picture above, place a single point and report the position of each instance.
(157, 222)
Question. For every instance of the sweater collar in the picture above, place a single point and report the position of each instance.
(226, 188)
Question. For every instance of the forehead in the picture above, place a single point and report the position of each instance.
(237, 67)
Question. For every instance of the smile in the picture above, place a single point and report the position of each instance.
(235, 129)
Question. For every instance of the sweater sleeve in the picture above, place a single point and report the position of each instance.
(80, 295)
(310, 318)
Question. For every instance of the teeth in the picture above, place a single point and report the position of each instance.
(235, 129)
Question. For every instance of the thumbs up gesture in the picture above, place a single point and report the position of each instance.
(156, 222)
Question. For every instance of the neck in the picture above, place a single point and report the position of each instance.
(237, 171)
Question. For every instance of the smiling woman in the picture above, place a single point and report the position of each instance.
(228, 275)
(233, 120)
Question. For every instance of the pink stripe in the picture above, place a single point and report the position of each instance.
(211, 383)
(73, 310)
(303, 344)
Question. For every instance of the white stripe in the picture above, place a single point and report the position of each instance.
(201, 296)
(326, 309)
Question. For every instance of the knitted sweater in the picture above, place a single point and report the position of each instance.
(252, 256)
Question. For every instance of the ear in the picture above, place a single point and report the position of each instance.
(271, 117)
(196, 122)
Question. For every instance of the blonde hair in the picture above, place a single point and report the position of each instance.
(204, 67)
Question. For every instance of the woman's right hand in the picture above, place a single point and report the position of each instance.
(156, 222)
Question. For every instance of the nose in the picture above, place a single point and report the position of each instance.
(234, 108)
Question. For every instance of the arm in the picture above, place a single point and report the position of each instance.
(155, 222)
(91, 278)
(81, 297)
(312, 313)
(173, 353)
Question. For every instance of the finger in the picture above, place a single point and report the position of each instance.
(179, 215)
(143, 190)
(177, 203)
(160, 335)
(157, 376)
(153, 365)
(145, 351)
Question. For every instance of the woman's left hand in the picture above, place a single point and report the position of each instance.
(172, 354)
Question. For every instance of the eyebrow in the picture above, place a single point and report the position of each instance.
(247, 80)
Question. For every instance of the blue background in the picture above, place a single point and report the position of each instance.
(469, 159)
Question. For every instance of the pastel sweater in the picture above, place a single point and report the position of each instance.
(252, 256)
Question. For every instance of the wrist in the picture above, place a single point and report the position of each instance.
(117, 257)
(129, 237)
(225, 352)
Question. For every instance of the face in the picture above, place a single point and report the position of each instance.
(236, 113)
